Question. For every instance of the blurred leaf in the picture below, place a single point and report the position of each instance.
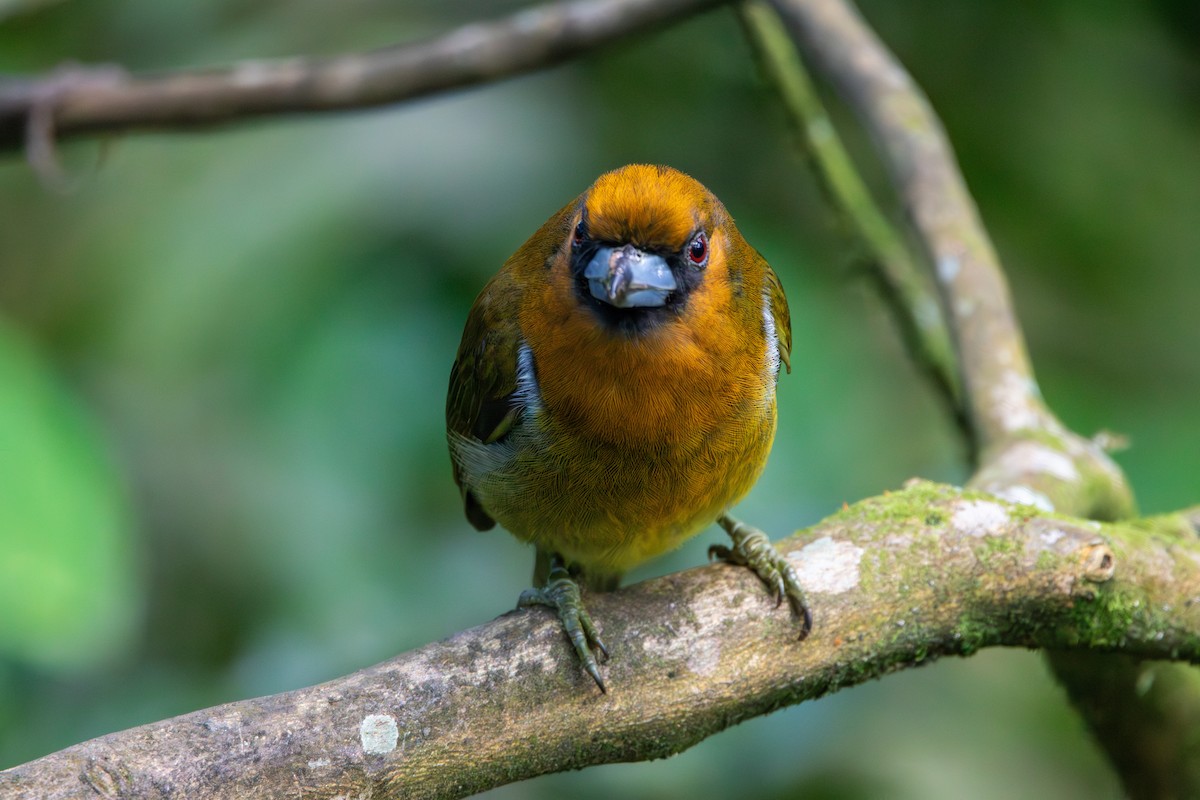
(10, 8)
(67, 595)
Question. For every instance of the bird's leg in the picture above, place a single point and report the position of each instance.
(751, 548)
(561, 593)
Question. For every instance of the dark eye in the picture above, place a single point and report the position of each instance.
(580, 235)
(698, 250)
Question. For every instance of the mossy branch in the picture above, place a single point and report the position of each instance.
(894, 582)
(1025, 453)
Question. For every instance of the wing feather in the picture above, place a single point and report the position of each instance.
(783, 318)
(483, 381)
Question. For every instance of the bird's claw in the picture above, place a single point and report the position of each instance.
(561, 593)
(721, 553)
(751, 548)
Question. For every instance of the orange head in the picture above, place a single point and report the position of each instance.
(641, 244)
(645, 253)
(649, 293)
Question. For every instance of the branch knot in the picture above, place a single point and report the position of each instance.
(1098, 562)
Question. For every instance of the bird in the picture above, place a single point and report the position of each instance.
(614, 392)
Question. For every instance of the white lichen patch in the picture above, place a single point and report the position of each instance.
(827, 566)
(1034, 457)
(379, 734)
(1011, 401)
(948, 267)
(318, 763)
(1052, 462)
(703, 658)
(978, 517)
(1051, 536)
(1023, 495)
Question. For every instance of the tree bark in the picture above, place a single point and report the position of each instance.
(1025, 453)
(893, 582)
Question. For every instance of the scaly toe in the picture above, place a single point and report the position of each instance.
(752, 548)
(562, 594)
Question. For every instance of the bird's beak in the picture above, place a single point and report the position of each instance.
(626, 277)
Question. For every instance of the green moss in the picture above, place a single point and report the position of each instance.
(1167, 528)
(876, 564)
(992, 546)
(1103, 620)
(1100, 498)
(1049, 438)
(1047, 560)
(971, 634)
(911, 502)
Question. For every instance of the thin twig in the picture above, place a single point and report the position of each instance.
(923, 169)
(1022, 444)
(904, 287)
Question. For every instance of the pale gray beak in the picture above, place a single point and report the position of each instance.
(628, 278)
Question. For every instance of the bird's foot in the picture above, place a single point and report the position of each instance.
(751, 548)
(561, 593)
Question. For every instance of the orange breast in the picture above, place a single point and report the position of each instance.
(642, 440)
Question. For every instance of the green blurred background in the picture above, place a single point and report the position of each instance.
(223, 358)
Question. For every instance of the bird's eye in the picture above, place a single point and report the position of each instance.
(698, 250)
(580, 235)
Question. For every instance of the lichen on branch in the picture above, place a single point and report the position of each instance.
(893, 581)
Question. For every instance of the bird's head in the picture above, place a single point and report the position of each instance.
(643, 240)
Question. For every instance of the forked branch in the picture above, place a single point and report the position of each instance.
(893, 581)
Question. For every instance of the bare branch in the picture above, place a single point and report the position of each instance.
(893, 581)
(1024, 446)
(904, 287)
(919, 158)
(100, 99)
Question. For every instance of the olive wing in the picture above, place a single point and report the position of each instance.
(480, 403)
